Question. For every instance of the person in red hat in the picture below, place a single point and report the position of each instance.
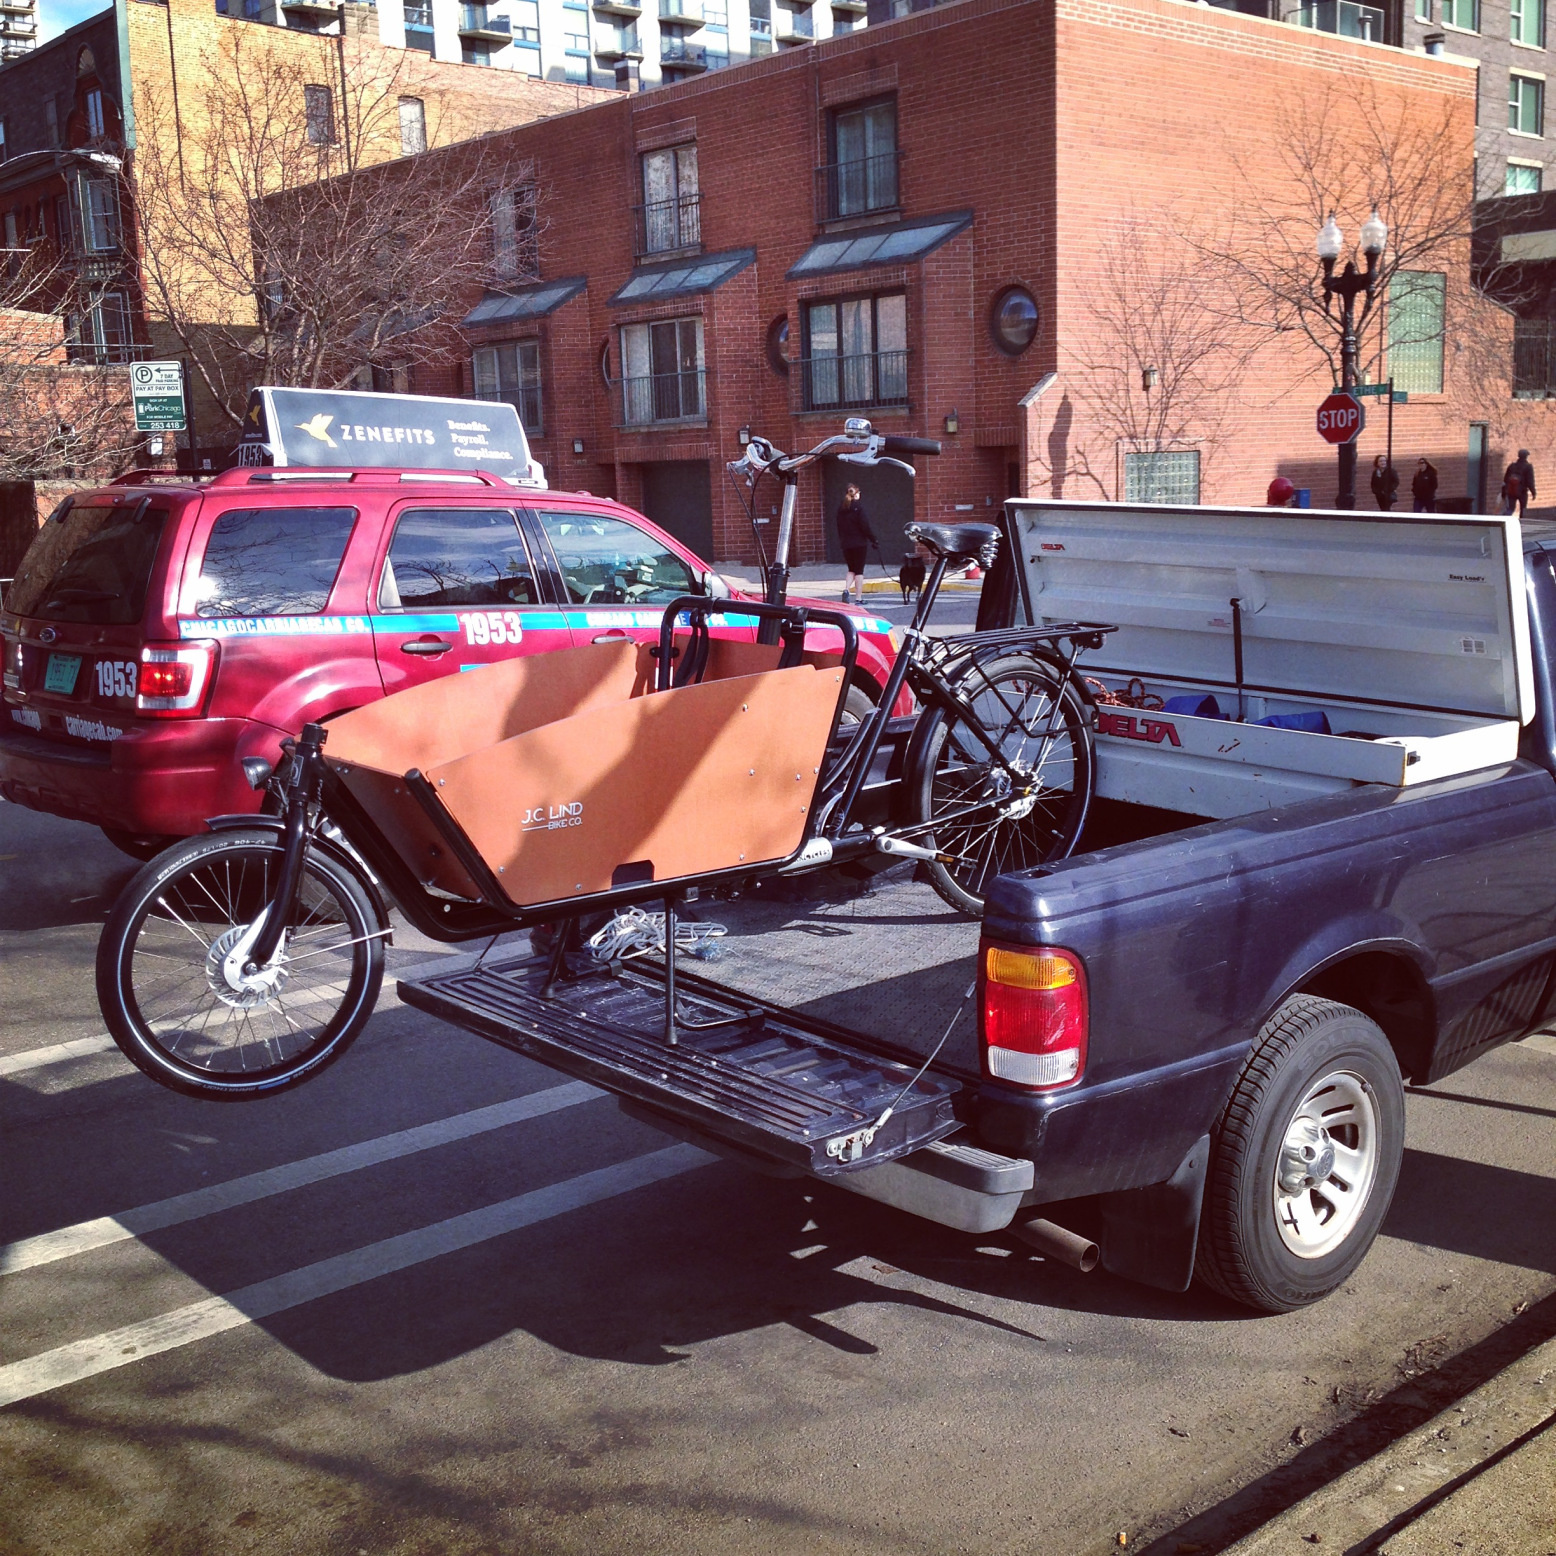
(1282, 494)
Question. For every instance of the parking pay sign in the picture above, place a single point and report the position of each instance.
(158, 391)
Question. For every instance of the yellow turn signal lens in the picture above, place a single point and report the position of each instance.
(1030, 970)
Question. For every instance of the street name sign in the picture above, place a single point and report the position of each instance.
(157, 388)
(1341, 417)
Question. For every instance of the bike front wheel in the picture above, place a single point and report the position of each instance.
(986, 815)
(188, 1012)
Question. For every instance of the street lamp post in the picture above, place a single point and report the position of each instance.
(1348, 286)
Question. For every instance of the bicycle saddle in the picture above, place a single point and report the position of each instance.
(957, 542)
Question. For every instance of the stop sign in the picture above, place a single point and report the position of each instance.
(1340, 418)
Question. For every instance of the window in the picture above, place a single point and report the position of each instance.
(418, 28)
(475, 54)
(863, 174)
(1168, 477)
(457, 556)
(1522, 178)
(2, 140)
(93, 566)
(511, 372)
(515, 252)
(94, 115)
(51, 118)
(272, 561)
(1526, 20)
(1463, 14)
(1013, 320)
(10, 230)
(319, 110)
(671, 218)
(1526, 105)
(101, 333)
(413, 126)
(99, 215)
(610, 562)
(1415, 330)
(661, 371)
(1423, 10)
(857, 351)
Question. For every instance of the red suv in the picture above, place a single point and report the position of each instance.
(159, 632)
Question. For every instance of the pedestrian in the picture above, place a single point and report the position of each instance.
(1385, 482)
(1282, 494)
(1423, 486)
(856, 537)
(1518, 484)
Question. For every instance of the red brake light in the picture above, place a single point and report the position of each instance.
(174, 681)
(1034, 1016)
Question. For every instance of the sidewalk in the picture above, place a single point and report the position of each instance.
(1478, 1480)
(824, 580)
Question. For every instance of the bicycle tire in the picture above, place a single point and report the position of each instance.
(950, 775)
(168, 1003)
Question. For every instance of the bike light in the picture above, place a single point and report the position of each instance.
(1034, 1016)
(173, 681)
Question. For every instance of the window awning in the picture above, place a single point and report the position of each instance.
(897, 244)
(683, 277)
(530, 302)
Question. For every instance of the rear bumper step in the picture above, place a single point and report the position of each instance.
(783, 1088)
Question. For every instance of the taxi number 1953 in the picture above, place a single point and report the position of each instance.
(493, 627)
(116, 677)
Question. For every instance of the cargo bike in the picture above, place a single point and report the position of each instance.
(542, 790)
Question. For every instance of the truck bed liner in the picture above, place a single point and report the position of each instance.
(782, 1086)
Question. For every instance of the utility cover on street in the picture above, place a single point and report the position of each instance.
(1340, 417)
(157, 389)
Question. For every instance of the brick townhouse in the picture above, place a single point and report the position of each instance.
(904, 224)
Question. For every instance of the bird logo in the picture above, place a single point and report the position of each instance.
(318, 428)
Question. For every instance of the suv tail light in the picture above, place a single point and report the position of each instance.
(1034, 1015)
(174, 681)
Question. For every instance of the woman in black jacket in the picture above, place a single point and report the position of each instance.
(1423, 486)
(855, 536)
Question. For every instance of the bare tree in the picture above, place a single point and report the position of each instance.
(279, 245)
(64, 404)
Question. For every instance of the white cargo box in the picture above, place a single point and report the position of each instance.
(1409, 632)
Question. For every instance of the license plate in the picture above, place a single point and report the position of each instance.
(60, 676)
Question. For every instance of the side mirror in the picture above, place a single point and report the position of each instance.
(715, 588)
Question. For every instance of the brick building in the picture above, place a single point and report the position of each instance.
(904, 224)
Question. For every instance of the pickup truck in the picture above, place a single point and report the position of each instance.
(1321, 861)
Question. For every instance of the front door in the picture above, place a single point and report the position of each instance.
(458, 590)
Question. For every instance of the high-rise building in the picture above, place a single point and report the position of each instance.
(18, 27)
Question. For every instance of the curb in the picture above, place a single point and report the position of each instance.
(1373, 1507)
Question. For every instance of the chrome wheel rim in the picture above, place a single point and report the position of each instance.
(1326, 1165)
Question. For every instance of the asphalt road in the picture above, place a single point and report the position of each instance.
(444, 1300)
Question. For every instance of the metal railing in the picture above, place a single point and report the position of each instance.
(664, 397)
(858, 187)
(1534, 359)
(687, 54)
(868, 378)
(418, 18)
(688, 12)
(474, 19)
(1344, 17)
(796, 24)
(662, 225)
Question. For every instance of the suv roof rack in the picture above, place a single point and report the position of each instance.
(161, 478)
(244, 475)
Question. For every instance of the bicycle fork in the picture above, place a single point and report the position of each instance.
(302, 786)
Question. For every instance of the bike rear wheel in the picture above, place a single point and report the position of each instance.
(181, 1005)
(989, 816)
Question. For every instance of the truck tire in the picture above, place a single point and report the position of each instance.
(1304, 1159)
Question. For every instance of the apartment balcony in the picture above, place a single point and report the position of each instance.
(624, 45)
(627, 8)
(18, 26)
(666, 227)
(1344, 17)
(863, 187)
(866, 379)
(681, 13)
(851, 7)
(683, 56)
(662, 399)
(794, 27)
(309, 13)
(475, 23)
(23, 6)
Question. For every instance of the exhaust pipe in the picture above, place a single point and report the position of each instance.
(1054, 1242)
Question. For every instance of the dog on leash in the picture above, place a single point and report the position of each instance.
(910, 576)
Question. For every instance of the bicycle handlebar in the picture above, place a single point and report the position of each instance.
(891, 443)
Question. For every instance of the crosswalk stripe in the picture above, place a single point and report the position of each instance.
(55, 1053)
(183, 1326)
(46, 1247)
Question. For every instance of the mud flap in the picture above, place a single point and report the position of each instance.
(1150, 1234)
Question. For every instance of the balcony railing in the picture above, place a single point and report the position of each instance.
(663, 397)
(665, 225)
(1534, 359)
(869, 378)
(795, 26)
(682, 13)
(1344, 17)
(475, 23)
(418, 18)
(685, 56)
(618, 43)
(857, 188)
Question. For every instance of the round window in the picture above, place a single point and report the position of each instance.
(778, 345)
(605, 363)
(1013, 320)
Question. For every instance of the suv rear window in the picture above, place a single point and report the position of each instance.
(272, 561)
(92, 565)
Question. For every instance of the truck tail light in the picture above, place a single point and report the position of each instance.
(174, 681)
(1034, 1015)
